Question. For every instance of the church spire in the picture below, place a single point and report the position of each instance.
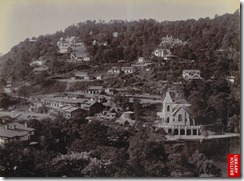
(168, 98)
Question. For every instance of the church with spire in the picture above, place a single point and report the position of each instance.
(175, 116)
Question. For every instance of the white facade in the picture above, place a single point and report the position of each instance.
(69, 42)
(159, 52)
(191, 74)
(175, 118)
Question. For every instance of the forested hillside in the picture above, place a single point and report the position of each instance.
(135, 38)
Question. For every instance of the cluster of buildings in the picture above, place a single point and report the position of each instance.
(75, 47)
(73, 107)
(74, 43)
(170, 42)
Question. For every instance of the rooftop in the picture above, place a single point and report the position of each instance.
(69, 108)
(19, 126)
(96, 87)
(7, 133)
(81, 74)
(60, 99)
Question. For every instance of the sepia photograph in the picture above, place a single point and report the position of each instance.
(120, 88)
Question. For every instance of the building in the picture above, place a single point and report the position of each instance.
(72, 42)
(40, 69)
(128, 70)
(115, 34)
(127, 118)
(114, 70)
(78, 56)
(191, 74)
(39, 62)
(169, 57)
(15, 132)
(71, 112)
(70, 106)
(92, 107)
(95, 90)
(176, 117)
(58, 102)
(160, 52)
(98, 77)
(169, 42)
(141, 60)
(82, 76)
(231, 79)
(109, 91)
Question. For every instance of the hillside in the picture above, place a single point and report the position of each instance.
(134, 39)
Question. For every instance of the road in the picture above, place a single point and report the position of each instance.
(201, 137)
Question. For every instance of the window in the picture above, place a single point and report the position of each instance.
(167, 120)
(180, 117)
(168, 108)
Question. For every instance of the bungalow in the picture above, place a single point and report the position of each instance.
(109, 91)
(98, 77)
(86, 59)
(15, 132)
(115, 34)
(114, 70)
(160, 52)
(99, 98)
(141, 60)
(127, 118)
(191, 74)
(128, 70)
(230, 79)
(40, 69)
(39, 62)
(79, 55)
(95, 90)
(82, 76)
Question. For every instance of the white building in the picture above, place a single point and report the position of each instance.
(69, 42)
(191, 74)
(160, 52)
(176, 118)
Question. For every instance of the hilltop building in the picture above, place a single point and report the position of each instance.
(70, 42)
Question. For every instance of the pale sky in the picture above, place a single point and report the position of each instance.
(21, 19)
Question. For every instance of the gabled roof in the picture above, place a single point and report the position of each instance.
(69, 108)
(19, 127)
(6, 133)
(96, 87)
(81, 74)
(179, 108)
